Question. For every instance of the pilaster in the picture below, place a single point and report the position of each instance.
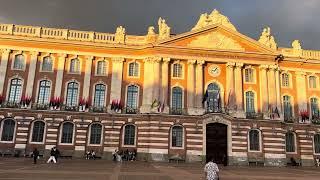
(87, 77)
(164, 83)
(3, 67)
(199, 87)
(148, 85)
(272, 87)
(116, 78)
(59, 76)
(264, 93)
(230, 87)
(191, 87)
(31, 73)
(239, 90)
(302, 91)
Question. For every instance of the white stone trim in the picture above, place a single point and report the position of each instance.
(44, 133)
(183, 137)
(14, 132)
(60, 133)
(89, 134)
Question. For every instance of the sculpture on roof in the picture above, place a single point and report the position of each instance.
(296, 45)
(267, 39)
(120, 34)
(214, 18)
(164, 29)
(151, 36)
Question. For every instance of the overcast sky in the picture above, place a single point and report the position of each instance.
(288, 19)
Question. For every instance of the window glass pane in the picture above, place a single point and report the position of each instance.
(177, 136)
(177, 98)
(67, 133)
(250, 102)
(214, 99)
(317, 143)
(75, 66)
(248, 75)
(132, 97)
(290, 144)
(99, 95)
(8, 130)
(44, 92)
(72, 94)
(47, 64)
(314, 107)
(129, 135)
(101, 68)
(18, 62)
(312, 82)
(285, 80)
(15, 90)
(134, 69)
(177, 70)
(254, 140)
(38, 131)
(95, 134)
(287, 107)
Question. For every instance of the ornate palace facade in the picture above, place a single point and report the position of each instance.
(211, 91)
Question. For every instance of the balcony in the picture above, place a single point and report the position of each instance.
(254, 115)
(98, 109)
(129, 110)
(315, 120)
(71, 108)
(289, 119)
(213, 109)
(176, 111)
(40, 106)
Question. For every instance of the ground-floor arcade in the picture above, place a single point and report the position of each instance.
(160, 137)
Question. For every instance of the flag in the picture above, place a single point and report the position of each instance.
(228, 103)
(205, 97)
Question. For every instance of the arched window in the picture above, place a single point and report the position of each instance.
(95, 133)
(316, 141)
(99, 95)
(290, 142)
(101, 68)
(38, 131)
(67, 133)
(254, 140)
(132, 97)
(213, 99)
(44, 92)
(176, 104)
(74, 66)
(177, 136)
(47, 64)
(287, 107)
(19, 62)
(15, 90)
(250, 107)
(312, 82)
(129, 135)
(8, 130)
(314, 107)
(248, 74)
(177, 70)
(72, 94)
(285, 80)
(134, 69)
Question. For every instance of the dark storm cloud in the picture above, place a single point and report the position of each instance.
(289, 19)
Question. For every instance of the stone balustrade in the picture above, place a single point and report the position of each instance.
(66, 34)
(306, 54)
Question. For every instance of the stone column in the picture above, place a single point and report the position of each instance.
(199, 87)
(191, 87)
(59, 76)
(272, 87)
(116, 78)
(3, 67)
(278, 92)
(302, 91)
(230, 87)
(147, 85)
(264, 93)
(31, 73)
(156, 80)
(165, 83)
(87, 77)
(239, 90)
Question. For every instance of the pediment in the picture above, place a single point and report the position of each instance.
(216, 37)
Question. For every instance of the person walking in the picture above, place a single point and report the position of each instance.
(57, 154)
(52, 155)
(35, 154)
(211, 170)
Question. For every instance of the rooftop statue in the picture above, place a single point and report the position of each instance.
(164, 29)
(151, 36)
(120, 34)
(214, 18)
(296, 45)
(267, 39)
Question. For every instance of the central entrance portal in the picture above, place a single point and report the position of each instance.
(217, 142)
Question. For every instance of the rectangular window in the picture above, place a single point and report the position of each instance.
(248, 75)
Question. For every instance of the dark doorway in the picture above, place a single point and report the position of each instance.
(217, 143)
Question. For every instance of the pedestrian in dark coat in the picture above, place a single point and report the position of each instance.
(35, 155)
(57, 154)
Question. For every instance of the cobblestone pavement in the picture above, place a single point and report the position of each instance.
(23, 169)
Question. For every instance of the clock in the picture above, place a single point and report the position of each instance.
(214, 70)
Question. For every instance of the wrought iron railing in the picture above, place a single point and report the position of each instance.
(254, 115)
(176, 111)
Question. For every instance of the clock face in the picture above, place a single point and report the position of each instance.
(214, 70)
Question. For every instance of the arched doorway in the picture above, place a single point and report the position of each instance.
(213, 101)
(217, 142)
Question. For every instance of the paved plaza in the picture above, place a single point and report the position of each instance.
(23, 169)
